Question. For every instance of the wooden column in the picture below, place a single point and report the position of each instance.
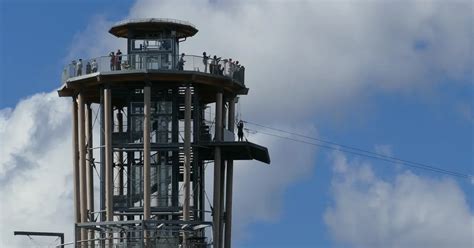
(187, 159)
(82, 164)
(109, 159)
(146, 156)
(223, 177)
(229, 181)
(217, 174)
(90, 171)
(75, 162)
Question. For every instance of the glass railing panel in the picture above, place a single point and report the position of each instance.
(157, 61)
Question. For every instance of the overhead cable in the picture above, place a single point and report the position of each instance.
(356, 151)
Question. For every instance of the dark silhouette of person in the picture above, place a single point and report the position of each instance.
(240, 130)
(88, 67)
(205, 61)
(214, 63)
(118, 60)
(94, 66)
(79, 67)
(181, 62)
(112, 61)
(220, 70)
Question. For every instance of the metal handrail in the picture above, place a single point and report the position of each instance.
(154, 61)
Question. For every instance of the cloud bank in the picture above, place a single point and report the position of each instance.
(35, 168)
(411, 211)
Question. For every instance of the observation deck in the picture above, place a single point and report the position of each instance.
(152, 67)
(153, 56)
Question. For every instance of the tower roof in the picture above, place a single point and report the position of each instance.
(146, 25)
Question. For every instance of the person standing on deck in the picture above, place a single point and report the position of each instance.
(118, 58)
(181, 62)
(240, 130)
(94, 66)
(79, 67)
(112, 61)
(205, 61)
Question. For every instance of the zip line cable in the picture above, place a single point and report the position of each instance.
(432, 169)
(345, 146)
(356, 151)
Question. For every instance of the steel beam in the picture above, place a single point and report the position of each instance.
(120, 156)
(90, 171)
(217, 174)
(229, 181)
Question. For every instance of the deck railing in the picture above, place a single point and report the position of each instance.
(146, 61)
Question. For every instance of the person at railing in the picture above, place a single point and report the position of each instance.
(220, 70)
(112, 61)
(239, 72)
(125, 65)
(88, 67)
(94, 66)
(231, 68)
(181, 62)
(79, 67)
(118, 59)
(215, 61)
(205, 61)
(72, 69)
(236, 70)
(225, 66)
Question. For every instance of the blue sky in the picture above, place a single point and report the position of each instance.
(422, 111)
(36, 36)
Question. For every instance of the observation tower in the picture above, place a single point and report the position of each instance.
(162, 117)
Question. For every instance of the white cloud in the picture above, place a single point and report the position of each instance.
(412, 211)
(35, 171)
(94, 41)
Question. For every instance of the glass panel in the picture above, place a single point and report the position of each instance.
(152, 45)
(164, 107)
(164, 129)
(137, 108)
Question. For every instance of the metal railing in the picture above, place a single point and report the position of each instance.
(156, 61)
(132, 234)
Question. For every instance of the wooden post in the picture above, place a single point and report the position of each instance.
(109, 159)
(82, 165)
(217, 174)
(146, 157)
